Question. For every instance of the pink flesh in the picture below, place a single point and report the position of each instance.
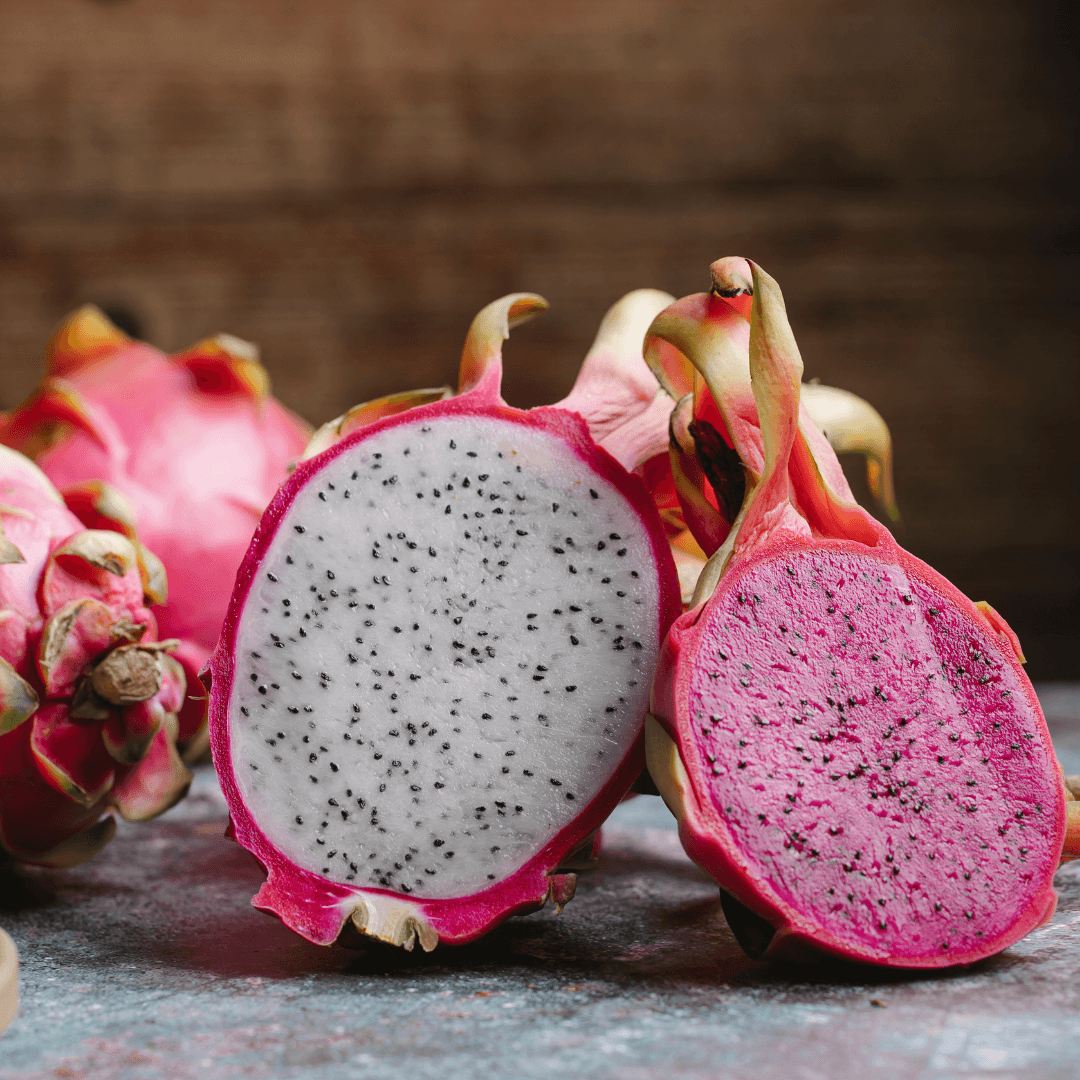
(871, 688)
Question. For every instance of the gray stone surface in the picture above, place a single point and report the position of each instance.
(150, 963)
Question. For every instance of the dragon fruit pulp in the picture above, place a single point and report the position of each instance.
(193, 448)
(850, 744)
(88, 717)
(432, 679)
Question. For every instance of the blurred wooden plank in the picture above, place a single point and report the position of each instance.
(174, 98)
(347, 183)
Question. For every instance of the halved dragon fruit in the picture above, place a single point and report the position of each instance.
(192, 448)
(431, 684)
(88, 696)
(849, 743)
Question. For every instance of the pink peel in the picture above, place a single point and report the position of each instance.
(723, 400)
(615, 392)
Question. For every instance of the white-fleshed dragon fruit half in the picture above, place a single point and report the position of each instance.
(432, 680)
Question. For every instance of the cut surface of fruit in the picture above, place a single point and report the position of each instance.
(850, 744)
(459, 630)
(875, 758)
(436, 666)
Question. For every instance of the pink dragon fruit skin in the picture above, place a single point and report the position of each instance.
(89, 697)
(643, 411)
(311, 904)
(194, 444)
(850, 744)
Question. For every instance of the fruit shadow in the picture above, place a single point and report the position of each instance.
(641, 919)
(666, 908)
(828, 972)
(23, 890)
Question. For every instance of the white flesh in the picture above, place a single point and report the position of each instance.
(436, 726)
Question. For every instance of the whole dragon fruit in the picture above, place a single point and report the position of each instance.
(88, 696)
(431, 684)
(191, 447)
(849, 743)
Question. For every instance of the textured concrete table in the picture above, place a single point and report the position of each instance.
(150, 963)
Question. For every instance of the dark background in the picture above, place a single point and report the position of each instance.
(348, 182)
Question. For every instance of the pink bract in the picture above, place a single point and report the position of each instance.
(193, 443)
(88, 696)
(850, 744)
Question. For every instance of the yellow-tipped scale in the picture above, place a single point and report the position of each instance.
(854, 426)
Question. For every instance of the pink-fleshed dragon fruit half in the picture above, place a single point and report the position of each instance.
(192, 447)
(88, 696)
(431, 684)
(850, 744)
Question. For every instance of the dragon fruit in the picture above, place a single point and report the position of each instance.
(88, 717)
(849, 743)
(192, 448)
(433, 675)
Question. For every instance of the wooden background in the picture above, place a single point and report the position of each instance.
(346, 182)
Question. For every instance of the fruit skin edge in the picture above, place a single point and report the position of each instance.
(318, 909)
(9, 981)
(704, 834)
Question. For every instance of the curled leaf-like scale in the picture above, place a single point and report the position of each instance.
(88, 697)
